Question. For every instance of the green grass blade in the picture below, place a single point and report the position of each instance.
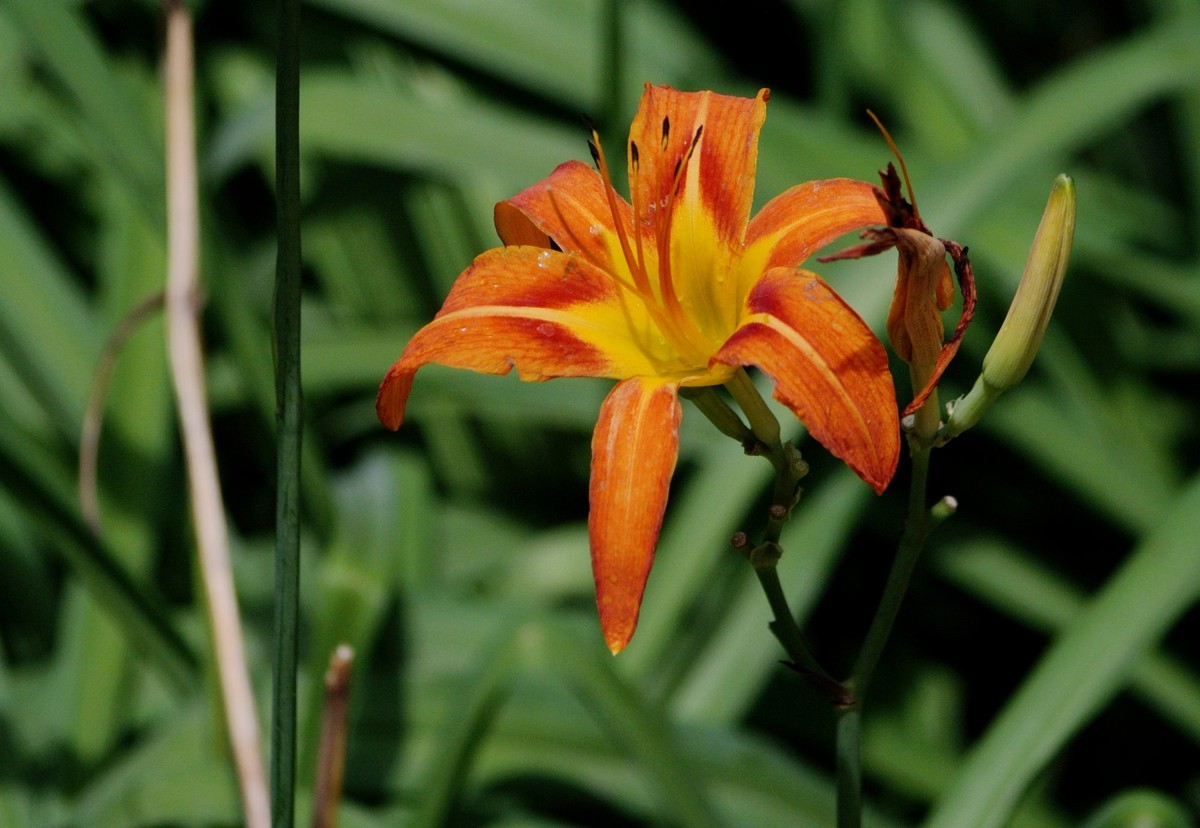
(1026, 590)
(118, 127)
(1090, 661)
(1068, 109)
(288, 416)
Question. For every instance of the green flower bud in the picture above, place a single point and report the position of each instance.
(1020, 336)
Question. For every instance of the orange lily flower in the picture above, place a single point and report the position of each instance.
(678, 288)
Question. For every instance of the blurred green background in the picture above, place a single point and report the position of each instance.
(1044, 671)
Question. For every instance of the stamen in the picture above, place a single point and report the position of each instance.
(682, 162)
(635, 162)
(666, 284)
(664, 306)
(639, 275)
(912, 199)
(668, 322)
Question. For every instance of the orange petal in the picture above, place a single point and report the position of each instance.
(720, 177)
(692, 186)
(633, 456)
(543, 312)
(793, 225)
(827, 366)
(569, 207)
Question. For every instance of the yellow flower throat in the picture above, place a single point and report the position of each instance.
(660, 297)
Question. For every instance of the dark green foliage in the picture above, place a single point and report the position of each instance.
(1048, 646)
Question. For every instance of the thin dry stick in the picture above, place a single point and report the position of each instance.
(331, 757)
(187, 371)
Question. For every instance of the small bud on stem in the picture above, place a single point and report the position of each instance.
(1020, 336)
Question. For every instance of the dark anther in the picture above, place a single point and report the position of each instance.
(587, 122)
(595, 151)
(696, 137)
(633, 153)
(675, 174)
(666, 130)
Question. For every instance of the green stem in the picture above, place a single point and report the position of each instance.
(785, 458)
(785, 629)
(762, 421)
(288, 413)
(720, 414)
(849, 767)
(917, 526)
(764, 438)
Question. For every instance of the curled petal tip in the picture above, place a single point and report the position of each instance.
(392, 397)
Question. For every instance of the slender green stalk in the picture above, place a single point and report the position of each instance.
(789, 468)
(785, 458)
(785, 629)
(849, 767)
(846, 696)
(762, 421)
(720, 414)
(288, 412)
(912, 541)
(920, 521)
